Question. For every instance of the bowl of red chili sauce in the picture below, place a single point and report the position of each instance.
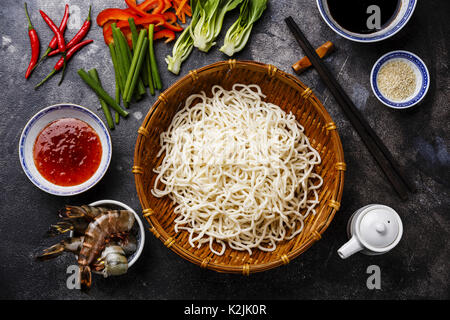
(65, 149)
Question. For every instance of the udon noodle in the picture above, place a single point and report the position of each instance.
(239, 169)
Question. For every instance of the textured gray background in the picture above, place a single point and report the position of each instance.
(419, 139)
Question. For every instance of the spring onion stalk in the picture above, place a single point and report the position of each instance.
(94, 75)
(237, 36)
(155, 73)
(181, 50)
(134, 66)
(207, 20)
(101, 92)
(134, 37)
(139, 64)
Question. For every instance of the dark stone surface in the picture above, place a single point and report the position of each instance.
(419, 139)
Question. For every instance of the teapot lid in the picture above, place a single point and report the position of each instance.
(379, 227)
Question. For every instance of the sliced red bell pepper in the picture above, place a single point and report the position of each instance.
(170, 17)
(167, 5)
(107, 32)
(165, 33)
(156, 19)
(133, 6)
(114, 14)
(156, 5)
(174, 27)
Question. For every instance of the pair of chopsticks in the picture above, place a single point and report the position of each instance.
(376, 147)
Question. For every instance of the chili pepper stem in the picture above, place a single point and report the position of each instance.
(45, 79)
(30, 25)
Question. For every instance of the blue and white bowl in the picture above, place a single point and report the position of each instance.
(402, 17)
(420, 70)
(38, 122)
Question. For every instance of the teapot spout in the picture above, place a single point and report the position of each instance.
(351, 247)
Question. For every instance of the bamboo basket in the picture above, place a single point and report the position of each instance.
(281, 89)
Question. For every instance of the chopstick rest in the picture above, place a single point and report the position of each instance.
(323, 51)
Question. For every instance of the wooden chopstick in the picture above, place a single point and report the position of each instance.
(376, 147)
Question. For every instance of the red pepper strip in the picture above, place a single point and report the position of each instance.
(170, 17)
(61, 62)
(62, 27)
(169, 34)
(114, 14)
(79, 36)
(156, 19)
(35, 45)
(133, 6)
(56, 31)
(167, 5)
(107, 32)
(181, 7)
(174, 27)
(156, 5)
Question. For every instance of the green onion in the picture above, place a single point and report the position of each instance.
(134, 36)
(101, 92)
(140, 62)
(154, 66)
(94, 75)
(135, 67)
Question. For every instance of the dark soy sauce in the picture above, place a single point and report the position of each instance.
(352, 14)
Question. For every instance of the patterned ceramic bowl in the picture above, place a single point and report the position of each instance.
(420, 71)
(38, 122)
(404, 13)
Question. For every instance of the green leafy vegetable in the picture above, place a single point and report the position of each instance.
(207, 20)
(238, 34)
(181, 50)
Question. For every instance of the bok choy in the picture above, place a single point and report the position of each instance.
(238, 34)
(207, 20)
(181, 50)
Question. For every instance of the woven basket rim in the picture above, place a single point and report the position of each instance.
(247, 268)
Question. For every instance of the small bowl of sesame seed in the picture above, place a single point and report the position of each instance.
(400, 79)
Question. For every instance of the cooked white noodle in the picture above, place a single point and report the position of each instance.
(239, 169)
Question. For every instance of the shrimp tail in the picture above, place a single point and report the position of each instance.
(51, 252)
(59, 228)
(85, 277)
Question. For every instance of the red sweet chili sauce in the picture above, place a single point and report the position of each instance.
(67, 152)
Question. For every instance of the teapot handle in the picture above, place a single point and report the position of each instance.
(351, 247)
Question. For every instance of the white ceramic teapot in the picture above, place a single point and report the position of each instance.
(373, 229)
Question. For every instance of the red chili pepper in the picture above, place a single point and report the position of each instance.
(35, 45)
(62, 27)
(165, 33)
(79, 36)
(60, 64)
(54, 42)
(114, 14)
(59, 35)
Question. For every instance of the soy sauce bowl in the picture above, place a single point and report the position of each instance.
(421, 74)
(401, 18)
(38, 122)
